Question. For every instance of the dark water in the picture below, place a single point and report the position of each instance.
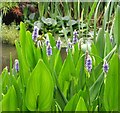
(7, 49)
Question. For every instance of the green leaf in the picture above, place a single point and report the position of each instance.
(92, 11)
(39, 91)
(32, 16)
(24, 69)
(80, 72)
(94, 53)
(10, 64)
(41, 7)
(49, 21)
(29, 50)
(67, 70)
(76, 54)
(6, 82)
(106, 14)
(52, 40)
(117, 25)
(108, 45)
(71, 105)
(18, 91)
(81, 106)
(100, 42)
(58, 63)
(94, 89)
(71, 22)
(23, 37)
(111, 86)
(59, 97)
(9, 102)
(95, 18)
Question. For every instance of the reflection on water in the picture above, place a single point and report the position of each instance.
(6, 50)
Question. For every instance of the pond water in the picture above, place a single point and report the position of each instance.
(7, 49)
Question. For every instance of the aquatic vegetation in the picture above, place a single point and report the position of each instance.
(49, 81)
(45, 82)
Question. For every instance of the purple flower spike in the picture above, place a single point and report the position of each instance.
(16, 65)
(69, 45)
(49, 50)
(88, 63)
(105, 67)
(47, 42)
(58, 44)
(35, 33)
(75, 35)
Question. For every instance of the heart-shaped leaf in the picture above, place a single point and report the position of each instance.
(39, 91)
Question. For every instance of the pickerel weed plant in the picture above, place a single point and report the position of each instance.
(84, 81)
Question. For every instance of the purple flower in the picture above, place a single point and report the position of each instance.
(75, 35)
(35, 33)
(88, 63)
(16, 65)
(69, 45)
(47, 42)
(49, 50)
(105, 67)
(58, 44)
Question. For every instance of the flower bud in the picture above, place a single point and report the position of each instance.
(47, 42)
(16, 65)
(58, 44)
(105, 67)
(49, 50)
(69, 45)
(75, 35)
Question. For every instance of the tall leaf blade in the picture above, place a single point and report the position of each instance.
(29, 50)
(100, 42)
(24, 69)
(117, 25)
(96, 87)
(111, 86)
(108, 44)
(23, 37)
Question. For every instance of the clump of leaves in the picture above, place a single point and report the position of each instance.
(6, 6)
(9, 33)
